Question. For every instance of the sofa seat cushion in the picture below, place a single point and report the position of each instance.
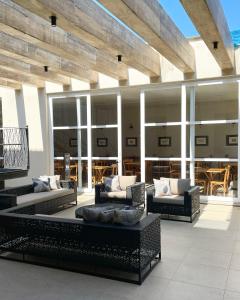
(43, 196)
(117, 195)
(173, 199)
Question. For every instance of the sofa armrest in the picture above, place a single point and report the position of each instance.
(150, 190)
(192, 198)
(98, 189)
(136, 193)
(69, 184)
(7, 200)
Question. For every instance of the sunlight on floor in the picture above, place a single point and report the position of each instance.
(215, 217)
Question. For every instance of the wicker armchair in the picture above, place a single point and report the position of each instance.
(134, 195)
(187, 205)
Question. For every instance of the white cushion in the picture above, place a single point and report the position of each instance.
(125, 181)
(119, 194)
(162, 187)
(43, 196)
(178, 186)
(53, 181)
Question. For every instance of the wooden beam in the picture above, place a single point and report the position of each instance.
(13, 85)
(31, 54)
(148, 19)
(20, 23)
(37, 72)
(16, 77)
(91, 23)
(208, 18)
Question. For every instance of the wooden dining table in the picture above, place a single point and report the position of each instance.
(100, 171)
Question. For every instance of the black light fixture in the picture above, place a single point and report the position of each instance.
(53, 21)
(215, 44)
(45, 68)
(119, 58)
(130, 126)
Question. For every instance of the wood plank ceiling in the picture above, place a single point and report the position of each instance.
(86, 41)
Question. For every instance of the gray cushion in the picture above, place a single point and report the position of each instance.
(173, 199)
(125, 181)
(106, 216)
(94, 213)
(112, 184)
(118, 195)
(179, 186)
(128, 216)
(40, 186)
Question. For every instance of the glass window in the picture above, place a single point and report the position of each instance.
(217, 178)
(163, 106)
(157, 169)
(217, 141)
(64, 112)
(163, 141)
(104, 142)
(216, 102)
(104, 109)
(66, 141)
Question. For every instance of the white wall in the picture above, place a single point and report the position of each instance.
(29, 107)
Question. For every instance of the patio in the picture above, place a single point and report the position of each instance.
(199, 261)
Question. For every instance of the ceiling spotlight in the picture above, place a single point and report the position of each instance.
(119, 57)
(53, 21)
(45, 68)
(215, 44)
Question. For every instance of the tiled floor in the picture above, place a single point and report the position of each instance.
(199, 261)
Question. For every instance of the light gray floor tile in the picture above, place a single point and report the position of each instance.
(203, 275)
(209, 258)
(166, 268)
(183, 291)
(229, 295)
(235, 261)
(233, 282)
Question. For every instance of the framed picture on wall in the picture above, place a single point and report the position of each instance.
(201, 140)
(232, 140)
(164, 141)
(131, 141)
(102, 142)
(72, 142)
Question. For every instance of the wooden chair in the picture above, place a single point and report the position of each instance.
(224, 183)
(114, 169)
(127, 168)
(175, 170)
(74, 172)
(201, 179)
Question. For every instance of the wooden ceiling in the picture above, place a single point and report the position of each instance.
(87, 40)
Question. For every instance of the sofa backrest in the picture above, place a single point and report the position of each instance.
(125, 181)
(179, 186)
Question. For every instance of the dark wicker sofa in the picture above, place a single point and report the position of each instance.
(115, 251)
(10, 197)
(189, 206)
(134, 195)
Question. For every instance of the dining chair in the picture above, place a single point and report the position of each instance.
(201, 179)
(175, 170)
(128, 170)
(221, 183)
